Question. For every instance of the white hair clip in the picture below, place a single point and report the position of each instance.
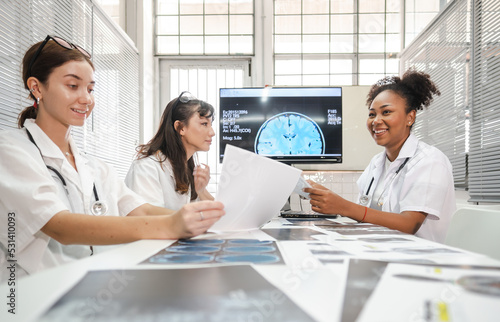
(388, 80)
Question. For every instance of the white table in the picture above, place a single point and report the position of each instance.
(316, 286)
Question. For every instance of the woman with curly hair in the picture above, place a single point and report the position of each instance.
(408, 187)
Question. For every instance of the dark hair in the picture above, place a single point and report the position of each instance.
(415, 87)
(51, 57)
(168, 141)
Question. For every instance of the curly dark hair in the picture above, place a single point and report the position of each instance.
(415, 87)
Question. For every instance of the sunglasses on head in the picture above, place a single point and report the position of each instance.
(183, 98)
(61, 42)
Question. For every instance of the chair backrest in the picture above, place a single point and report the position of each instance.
(476, 230)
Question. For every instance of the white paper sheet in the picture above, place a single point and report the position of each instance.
(408, 298)
(252, 188)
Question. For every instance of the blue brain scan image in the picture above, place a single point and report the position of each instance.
(290, 133)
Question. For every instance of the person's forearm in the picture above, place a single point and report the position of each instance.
(407, 222)
(69, 228)
(150, 210)
(205, 195)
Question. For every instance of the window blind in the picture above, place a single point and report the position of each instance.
(443, 51)
(484, 159)
(112, 131)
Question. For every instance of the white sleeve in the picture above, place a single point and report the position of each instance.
(427, 186)
(143, 178)
(26, 189)
(126, 200)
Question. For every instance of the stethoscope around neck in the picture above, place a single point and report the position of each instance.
(98, 208)
(364, 199)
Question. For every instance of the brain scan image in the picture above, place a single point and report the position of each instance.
(289, 133)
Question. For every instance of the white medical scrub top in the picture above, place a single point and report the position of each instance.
(155, 182)
(34, 194)
(425, 184)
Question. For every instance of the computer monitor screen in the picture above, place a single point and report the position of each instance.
(289, 124)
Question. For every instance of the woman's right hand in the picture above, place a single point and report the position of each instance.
(316, 185)
(323, 200)
(201, 176)
(196, 218)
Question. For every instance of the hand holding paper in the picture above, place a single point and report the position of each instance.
(299, 188)
(252, 188)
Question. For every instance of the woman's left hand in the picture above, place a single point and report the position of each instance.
(201, 176)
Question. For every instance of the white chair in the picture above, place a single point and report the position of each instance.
(476, 230)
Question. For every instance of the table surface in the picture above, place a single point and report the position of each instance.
(329, 271)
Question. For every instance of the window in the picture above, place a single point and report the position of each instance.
(342, 42)
(115, 9)
(418, 14)
(204, 27)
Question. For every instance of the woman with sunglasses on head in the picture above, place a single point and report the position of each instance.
(165, 173)
(59, 200)
(409, 186)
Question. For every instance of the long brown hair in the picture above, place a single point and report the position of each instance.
(167, 144)
(51, 57)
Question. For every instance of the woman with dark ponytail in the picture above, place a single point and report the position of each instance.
(165, 173)
(61, 201)
(409, 186)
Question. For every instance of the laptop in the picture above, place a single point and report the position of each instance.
(305, 214)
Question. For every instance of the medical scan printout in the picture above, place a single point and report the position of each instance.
(252, 188)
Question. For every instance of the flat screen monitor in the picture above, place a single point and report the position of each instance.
(289, 124)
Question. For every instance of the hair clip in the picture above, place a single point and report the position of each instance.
(388, 80)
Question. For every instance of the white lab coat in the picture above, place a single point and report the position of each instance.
(155, 182)
(35, 194)
(425, 184)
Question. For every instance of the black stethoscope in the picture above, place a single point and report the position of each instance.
(98, 208)
(380, 202)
